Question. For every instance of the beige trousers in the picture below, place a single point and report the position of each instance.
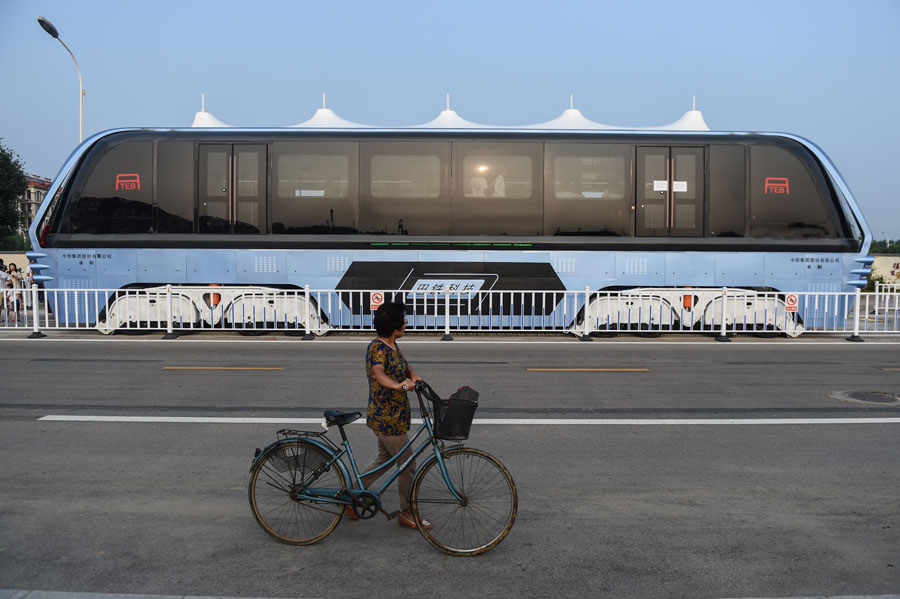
(388, 446)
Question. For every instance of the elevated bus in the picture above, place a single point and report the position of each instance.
(676, 216)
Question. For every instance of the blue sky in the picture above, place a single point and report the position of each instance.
(828, 70)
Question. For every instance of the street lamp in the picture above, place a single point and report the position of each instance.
(49, 28)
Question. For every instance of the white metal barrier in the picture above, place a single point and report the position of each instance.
(586, 313)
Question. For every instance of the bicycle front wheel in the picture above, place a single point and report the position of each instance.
(277, 486)
(483, 515)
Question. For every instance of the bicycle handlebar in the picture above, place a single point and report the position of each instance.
(420, 388)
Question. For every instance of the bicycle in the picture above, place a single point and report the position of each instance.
(298, 487)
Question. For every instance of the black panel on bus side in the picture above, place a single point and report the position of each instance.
(427, 284)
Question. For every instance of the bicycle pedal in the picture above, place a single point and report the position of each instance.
(391, 515)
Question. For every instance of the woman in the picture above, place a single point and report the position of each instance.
(390, 377)
(15, 275)
(16, 281)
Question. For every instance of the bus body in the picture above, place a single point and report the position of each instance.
(429, 210)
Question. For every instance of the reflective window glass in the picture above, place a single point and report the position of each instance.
(316, 188)
(404, 188)
(114, 194)
(405, 176)
(591, 189)
(727, 191)
(497, 176)
(497, 188)
(589, 177)
(175, 187)
(250, 199)
(313, 176)
(785, 200)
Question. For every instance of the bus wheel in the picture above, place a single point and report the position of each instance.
(252, 332)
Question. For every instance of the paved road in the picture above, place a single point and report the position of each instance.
(638, 510)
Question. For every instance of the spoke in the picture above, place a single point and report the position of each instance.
(482, 519)
(286, 514)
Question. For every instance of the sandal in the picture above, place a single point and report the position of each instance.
(404, 521)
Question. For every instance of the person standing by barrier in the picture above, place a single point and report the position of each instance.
(13, 302)
(18, 284)
(390, 377)
(4, 279)
(28, 281)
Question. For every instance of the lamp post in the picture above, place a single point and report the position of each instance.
(50, 29)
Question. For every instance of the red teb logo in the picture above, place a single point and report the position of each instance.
(128, 182)
(777, 185)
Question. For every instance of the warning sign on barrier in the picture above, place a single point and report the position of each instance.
(376, 300)
(790, 302)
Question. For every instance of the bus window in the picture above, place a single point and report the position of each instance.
(115, 196)
(404, 188)
(589, 193)
(784, 198)
(498, 188)
(175, 187)
(727, 192)
(315, 188)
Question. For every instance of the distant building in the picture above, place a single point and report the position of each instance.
(35, 191)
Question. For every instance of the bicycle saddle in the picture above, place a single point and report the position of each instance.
(333, 417)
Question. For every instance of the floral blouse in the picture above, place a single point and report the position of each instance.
(389, 410)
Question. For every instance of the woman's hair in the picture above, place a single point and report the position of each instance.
(389, 317)
(13, 265)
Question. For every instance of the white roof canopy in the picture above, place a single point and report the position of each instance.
(325, 118)
(570, 119)
(206, 119)
(692, 120)
(448, 119)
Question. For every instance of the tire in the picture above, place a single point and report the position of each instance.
(286, 468)
(490, 507)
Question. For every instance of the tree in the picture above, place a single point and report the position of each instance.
(12, 187)
(885, 246)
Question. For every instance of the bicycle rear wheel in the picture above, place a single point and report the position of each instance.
(487, 510)
(276, 482)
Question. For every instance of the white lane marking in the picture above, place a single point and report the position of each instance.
(26, 594)
(485, 421)
(831, 597)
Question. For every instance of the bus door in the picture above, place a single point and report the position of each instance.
(232, 193)
(669, 194)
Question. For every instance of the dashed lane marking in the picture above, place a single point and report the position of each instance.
(587, 369)
(222, 368)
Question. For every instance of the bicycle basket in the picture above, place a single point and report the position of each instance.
(453, 416)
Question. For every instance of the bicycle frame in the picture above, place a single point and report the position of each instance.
(338, 496)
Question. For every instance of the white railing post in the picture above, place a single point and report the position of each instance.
(36, 331)
(877, 302)
(586, 334)
(723, 335)
(170, 329)
(856, 300)
(447, 336)
(307, 336)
